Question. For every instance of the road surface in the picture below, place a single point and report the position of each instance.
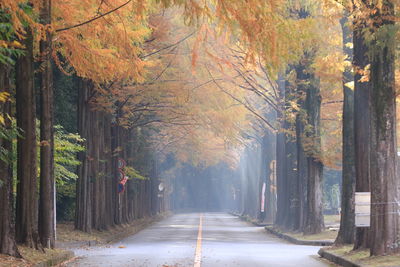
(200, 240)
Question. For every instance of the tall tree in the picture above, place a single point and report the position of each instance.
(314, 222)
(7, 231)
(361, 121)
(26, 206)
(385, 228)
(83, 213)
(47, 183)
(347, 219)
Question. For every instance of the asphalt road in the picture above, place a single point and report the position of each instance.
(209, 239)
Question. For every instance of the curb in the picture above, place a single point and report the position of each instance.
(298, 241)
(337, 259)
(65, 256)
(248, 219)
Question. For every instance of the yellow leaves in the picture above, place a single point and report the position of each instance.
(350, 85)
(44, 143)
(349, 45)
(105, 49)
(4, 96)
(365, 73)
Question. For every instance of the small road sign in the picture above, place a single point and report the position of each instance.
(363, 209)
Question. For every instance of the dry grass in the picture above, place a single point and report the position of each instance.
(324, 236)
(362, 257)
(332, 219)
(30, 256)
(67, 233)
(7, 261)
(327, 235)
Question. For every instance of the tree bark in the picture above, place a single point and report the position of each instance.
(361, 127)
(26, 209)
(385, 229)
(269, 165)
(281, 178)
(346, 233)
(83, 213)
(7, 232)
(314, 222)
(47, 183)
(299, 197)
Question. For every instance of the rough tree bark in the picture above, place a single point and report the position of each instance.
(7, 232)
(47, 186)
(83, 213)
(300, 184)
(361, 126)
(290, 160)
(281, 179)
(26, 206)
(385, 207)
(269, 164)
(314, 221)
(347, 219)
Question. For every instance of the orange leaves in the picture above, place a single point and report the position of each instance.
(105, 49)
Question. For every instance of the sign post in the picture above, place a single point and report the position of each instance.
(363, 209)
(263, 197)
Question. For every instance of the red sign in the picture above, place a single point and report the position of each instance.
(121, 175)
(121, 163)
(124, 180)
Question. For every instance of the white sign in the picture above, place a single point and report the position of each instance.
(161, 187)
(263, 198)
(363, 209)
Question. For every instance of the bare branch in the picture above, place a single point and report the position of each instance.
(93, 19)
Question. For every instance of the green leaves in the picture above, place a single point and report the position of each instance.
(9, 48)
(66, 147)
(134, 174)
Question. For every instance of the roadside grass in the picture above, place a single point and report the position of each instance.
(323, 236)
(29, 257)
(66, 232)
(331, 219)
(326, 235)
(362, 257)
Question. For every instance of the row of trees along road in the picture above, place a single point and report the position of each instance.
(112, 90)
(279, 57)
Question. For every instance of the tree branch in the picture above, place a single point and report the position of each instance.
(168, 46)
(93, 19)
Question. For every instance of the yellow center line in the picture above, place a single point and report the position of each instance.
(197, 255)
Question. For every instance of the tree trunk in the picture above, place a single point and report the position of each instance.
(347, 219)
(83, 213)
(299, 202)
(281, 159)
(108, 172)
(269, 167)
(361, 127)
(7, 232)
(47, 186)
(385, 230)
(314, 222)
(26, 209)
